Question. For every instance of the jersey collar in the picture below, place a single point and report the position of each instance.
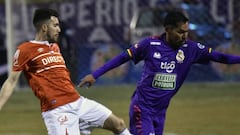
(40, 42)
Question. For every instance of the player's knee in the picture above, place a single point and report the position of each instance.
(120, 126)
(115, 124)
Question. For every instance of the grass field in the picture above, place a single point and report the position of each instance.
(198, 109)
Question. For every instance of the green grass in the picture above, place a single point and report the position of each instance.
(198, 109)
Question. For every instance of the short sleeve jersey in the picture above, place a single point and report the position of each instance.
(165, 69)
(46, 73)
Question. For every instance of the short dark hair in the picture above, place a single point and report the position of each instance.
(173, 18)
(43, 14)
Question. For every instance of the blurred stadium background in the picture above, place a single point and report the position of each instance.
(93, 31)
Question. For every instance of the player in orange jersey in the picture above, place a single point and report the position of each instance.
(64, 111)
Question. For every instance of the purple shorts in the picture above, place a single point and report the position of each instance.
(144, 122)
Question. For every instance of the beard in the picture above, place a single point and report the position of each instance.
(178, 44)
(175, 45)
(51, 39)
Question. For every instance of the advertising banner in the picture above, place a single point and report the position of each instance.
(94, 31)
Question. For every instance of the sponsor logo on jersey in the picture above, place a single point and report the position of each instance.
(185, 45)
(169, 67)
(40, 49)
(164, 81)
(62, 119)
(201, 46)
(180, 56)
(15, 58)
(53, 101)
(157, 55)
(136, 46)
(155, 43)
(52, 59)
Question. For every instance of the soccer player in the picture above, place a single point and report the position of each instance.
(167, 60)
(64, 111)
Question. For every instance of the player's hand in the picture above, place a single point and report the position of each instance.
(88, 80)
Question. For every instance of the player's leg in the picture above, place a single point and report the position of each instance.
(93, 114)
(141, 122)
(116, 124)
(61, 121)
(159, 122)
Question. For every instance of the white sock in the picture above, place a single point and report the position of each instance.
(125, 132)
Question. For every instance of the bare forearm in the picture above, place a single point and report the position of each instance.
(7, 88)
(6, 92)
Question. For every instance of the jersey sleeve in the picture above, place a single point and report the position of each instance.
(139, 50)
(20, 59)
(200, 53)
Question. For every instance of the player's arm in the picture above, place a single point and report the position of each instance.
(224, 58)
(8, 87)
(90, 79)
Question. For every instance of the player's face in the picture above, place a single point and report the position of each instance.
(53, 29)
(177, 36)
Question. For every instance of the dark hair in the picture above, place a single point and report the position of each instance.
(173, 18)
(43, 14)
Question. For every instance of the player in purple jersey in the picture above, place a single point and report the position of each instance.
(167, 60)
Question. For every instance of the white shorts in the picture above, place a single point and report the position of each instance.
(80, 116)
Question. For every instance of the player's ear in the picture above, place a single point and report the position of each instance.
(168, 28)
(44, 27)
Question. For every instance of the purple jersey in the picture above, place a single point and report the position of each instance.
(165, 69)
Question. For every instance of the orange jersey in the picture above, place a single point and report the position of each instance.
(46, 72)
